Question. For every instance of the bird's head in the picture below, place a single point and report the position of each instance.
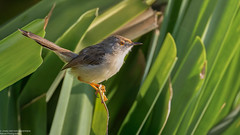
(119, 44)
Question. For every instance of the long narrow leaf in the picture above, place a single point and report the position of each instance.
(79, 113)
(62, 105)
(150, 89)
(223, 58)
(161, 111)
(111, 20)
(19, 56)
(186, 83)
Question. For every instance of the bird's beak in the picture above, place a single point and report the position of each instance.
(136, 43)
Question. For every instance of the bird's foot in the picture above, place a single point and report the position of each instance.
(100, 89)
(102, 92)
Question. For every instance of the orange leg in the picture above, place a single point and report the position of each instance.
(99, 89)
(97, 86)
(102, 89)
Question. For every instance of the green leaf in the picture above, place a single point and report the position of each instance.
(54, 85)
(227, 122)
(226, 52)
(37, 11)
(160, 112)
(68, 11)
(219, 28)
(62, 105)
(78, 118)
(19, 56)
(233, 123)
(65, 13)
(228, 88)
(33, 117)
(237, 99)
(151, 53)
(169, 21)
(111, 20)
(186, 84)
(185, 19)
(100, 118)
(8, 103)
(151, 89)
(191, 23)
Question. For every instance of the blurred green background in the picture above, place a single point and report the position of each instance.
(12, 8)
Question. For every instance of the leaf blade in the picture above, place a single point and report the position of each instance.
(148, 91)
(19, 57)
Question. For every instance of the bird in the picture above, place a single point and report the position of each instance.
(93, 64)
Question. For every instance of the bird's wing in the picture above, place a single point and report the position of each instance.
(92, 55)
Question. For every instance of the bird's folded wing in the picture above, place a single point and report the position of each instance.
(92, 55)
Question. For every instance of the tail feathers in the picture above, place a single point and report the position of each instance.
(64, 54)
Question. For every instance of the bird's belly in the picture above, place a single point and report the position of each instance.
(96, 73)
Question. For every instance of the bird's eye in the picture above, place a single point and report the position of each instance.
(122, 43)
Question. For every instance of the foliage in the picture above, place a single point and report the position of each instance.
(183, 80)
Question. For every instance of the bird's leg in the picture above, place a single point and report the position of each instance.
(100, 89)
(96, 88)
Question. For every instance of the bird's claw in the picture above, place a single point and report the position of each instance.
(101, 90)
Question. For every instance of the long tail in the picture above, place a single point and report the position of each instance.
(64, 54)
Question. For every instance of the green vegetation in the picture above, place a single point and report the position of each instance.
(183, 80)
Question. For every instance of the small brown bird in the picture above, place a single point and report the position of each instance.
(93, 64)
